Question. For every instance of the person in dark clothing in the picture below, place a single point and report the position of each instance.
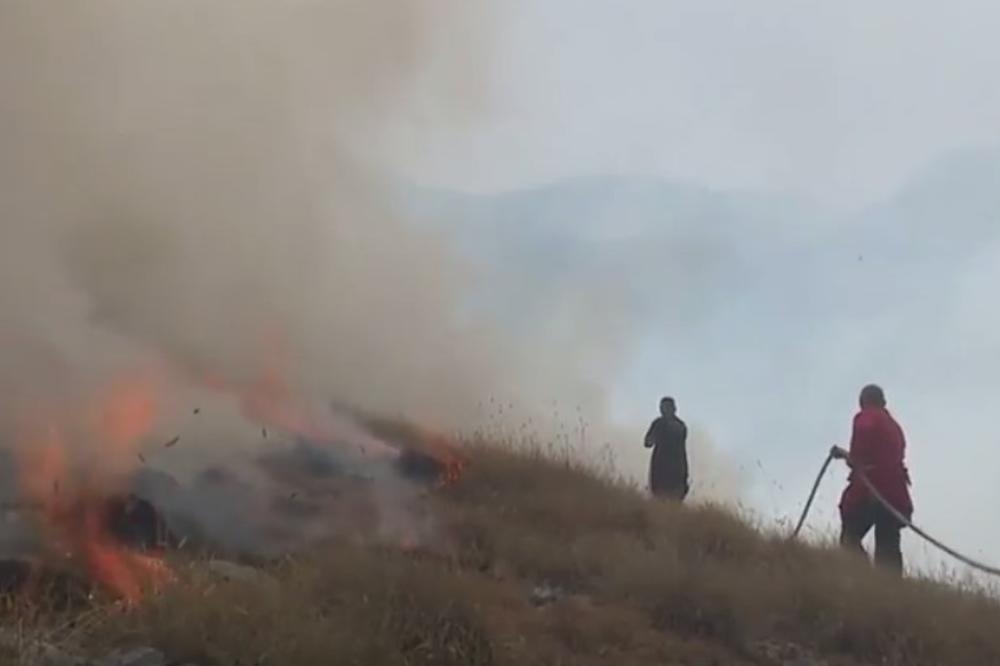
(878, 449)
(668, 467)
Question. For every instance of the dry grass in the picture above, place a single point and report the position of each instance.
(641, 583)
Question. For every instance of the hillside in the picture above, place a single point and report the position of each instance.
(537, 561)
(743, 304)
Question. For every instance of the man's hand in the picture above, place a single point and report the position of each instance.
(839, 453)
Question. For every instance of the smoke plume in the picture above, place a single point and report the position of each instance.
(184, 177)
(187, 188)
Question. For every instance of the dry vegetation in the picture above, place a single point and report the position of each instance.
(638, 582)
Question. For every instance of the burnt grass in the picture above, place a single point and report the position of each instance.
(627, 581)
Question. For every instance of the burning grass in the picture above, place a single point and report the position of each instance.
(545, 562)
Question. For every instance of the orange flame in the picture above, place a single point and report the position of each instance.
(126, 572)
(268, 398)
(128, 411)
(75, 516)
(443, 449)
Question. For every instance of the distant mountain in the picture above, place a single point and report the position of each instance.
(669, 245)
(697, 267)
(719, 243)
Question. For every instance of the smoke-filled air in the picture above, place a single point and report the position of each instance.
(204, 263)
(483, 332)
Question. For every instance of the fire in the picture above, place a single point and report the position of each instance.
(127, 411)
(269, 398)
(445, 451)
(73, 499)
(127, 572)
(266, 397)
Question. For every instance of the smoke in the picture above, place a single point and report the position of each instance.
(191, 181)
(193, 187)
(183, 177)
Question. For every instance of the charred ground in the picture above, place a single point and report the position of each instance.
(541, 561)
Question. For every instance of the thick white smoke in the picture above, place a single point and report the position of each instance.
(183, 175)
(190, 185)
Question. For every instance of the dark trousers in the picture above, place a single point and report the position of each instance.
(856, 526)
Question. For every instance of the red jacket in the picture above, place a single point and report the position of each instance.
(879, 447)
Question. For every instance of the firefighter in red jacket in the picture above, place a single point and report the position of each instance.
(878, 448)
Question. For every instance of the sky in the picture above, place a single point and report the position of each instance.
(839, 101)
(834, 221)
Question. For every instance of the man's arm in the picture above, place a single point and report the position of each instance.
(649, 442)
(862, 432)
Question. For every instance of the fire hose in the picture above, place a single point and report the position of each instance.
(895, 514)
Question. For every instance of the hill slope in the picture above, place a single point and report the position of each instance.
(541, 562)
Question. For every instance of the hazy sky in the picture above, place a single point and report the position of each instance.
(838, 100)
(863, 111)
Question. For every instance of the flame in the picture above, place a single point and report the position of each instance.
(73, 499)
(127, 572)
(446, 451)
(127, 411)
(267, 397)
(271, 400)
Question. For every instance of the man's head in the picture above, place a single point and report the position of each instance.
(872, 396)
(668, 407)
